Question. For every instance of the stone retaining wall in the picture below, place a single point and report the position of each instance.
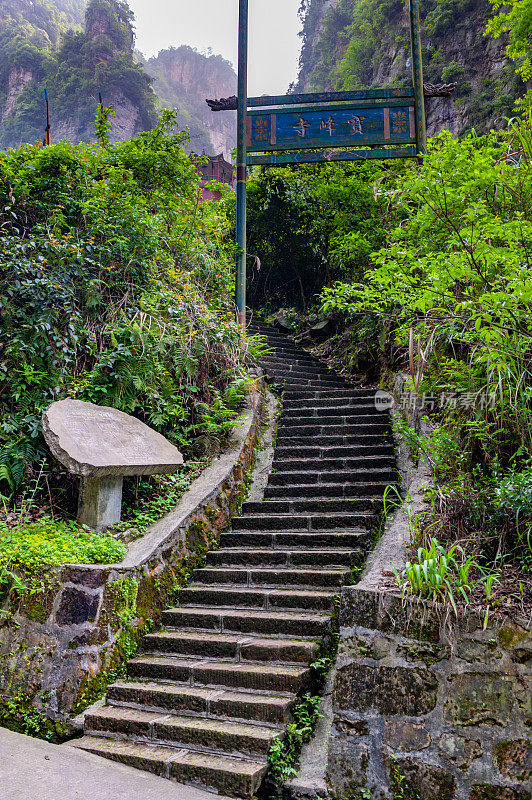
(61, 645)
(428, 710)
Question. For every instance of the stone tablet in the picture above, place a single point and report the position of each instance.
(101, 445)
(92, 440)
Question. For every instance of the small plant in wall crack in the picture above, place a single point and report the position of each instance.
(284, 753)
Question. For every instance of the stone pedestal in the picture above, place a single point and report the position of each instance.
(101, 445)
(100, 501)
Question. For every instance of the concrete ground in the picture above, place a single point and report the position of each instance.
(31, 769)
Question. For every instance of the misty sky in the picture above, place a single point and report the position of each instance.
(274, 43)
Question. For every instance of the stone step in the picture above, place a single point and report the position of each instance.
(286, 354)
(315, 383)
(332, 426)
(320, 394)
(281, 558)
(224, 737)
(257, 598)
(230, 776)
(332, 383)
(304, 541)
(273, 361)
(333, 464)
(320, 505)
(264, 577)
(309, 522)
(300, 371)
(349, 414)
(342, 451)
(238, 647)
(308, 403)
(286, 438)
(273, 709)
(323, 492)
(224, 674)
(273, 621)
(316, 430)
(355, 476)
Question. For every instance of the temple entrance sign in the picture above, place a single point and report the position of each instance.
(328, 126)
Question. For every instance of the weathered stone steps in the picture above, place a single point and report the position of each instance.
(216, 674)
(181, 731)
(268, 621)
(213, 688)
(226, 646)
(257, 598)
(237, 776)
(280, 558)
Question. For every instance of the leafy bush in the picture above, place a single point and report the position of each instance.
(309, 225)
(118, 290)
(456, 281)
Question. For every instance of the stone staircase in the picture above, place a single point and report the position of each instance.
(212, 690)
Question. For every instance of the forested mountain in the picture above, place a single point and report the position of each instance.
(352, 43)
(183, 77)
(76, 50)
(74, 66)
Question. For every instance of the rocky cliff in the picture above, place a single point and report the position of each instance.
(40, 50)
(184, 78)
(348, 44)
(77, 50)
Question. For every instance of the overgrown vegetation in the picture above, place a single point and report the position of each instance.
(440, 289)
(310, 225)
(284, 753)
(119, 292)
(451, 291)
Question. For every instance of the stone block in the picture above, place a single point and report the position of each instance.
(472, 650)
(473, 698)
(459, 751)
(77, 607)
(404, 735)
(346, 725)
(347, 765)
(387, 613)
(90, 577)
(389, 690)
(514, 759)
(486, 791)
(413, 778)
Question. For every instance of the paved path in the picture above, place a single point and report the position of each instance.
(31, 769)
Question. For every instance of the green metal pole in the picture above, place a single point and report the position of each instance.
(241, 188)
(417, 76)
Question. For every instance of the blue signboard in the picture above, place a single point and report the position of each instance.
(326, 127)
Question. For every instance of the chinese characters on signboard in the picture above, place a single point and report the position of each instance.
(293, 129)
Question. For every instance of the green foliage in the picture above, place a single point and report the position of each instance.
(20, 715)
(439, 574)
(157, 496)
(456, 274)
(103, 125)
(118, 290)
(284, 753)
(516, 18)
(36, 544)
(308, 225)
